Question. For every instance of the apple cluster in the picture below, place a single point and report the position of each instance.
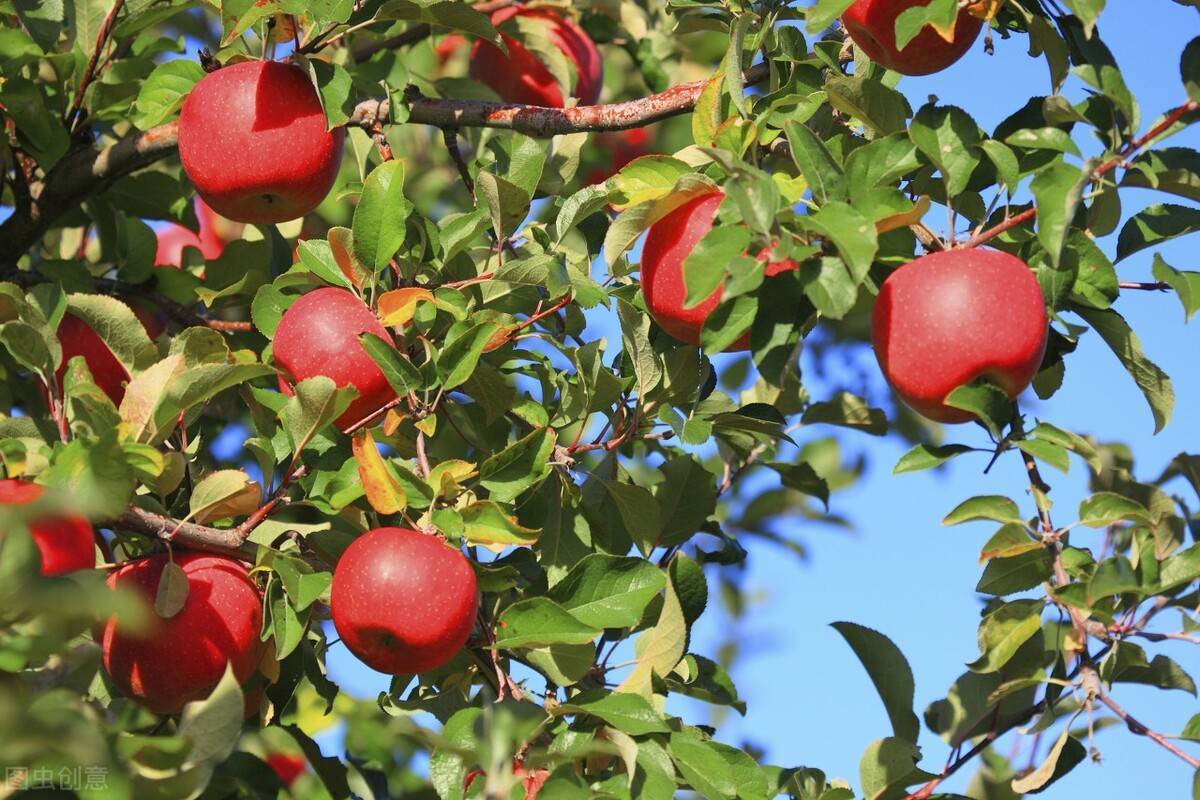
(403, 601)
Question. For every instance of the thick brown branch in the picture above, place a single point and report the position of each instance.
(80, 174)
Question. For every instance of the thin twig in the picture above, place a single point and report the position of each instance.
(450, 137)
(1103, 169)
(89, 73)
(1139, 729)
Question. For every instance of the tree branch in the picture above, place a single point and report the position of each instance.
(80, 174)
(85, 171)
(1103, 169)
(223, 541)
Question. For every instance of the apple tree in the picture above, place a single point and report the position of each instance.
(466, 337)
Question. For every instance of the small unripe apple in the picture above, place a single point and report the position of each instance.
(318, 335)
(521, 77)
(949, 318)
(403, 601)
(64, 541)
(872, 26)
(288, 766)
(669, 242)
(252, 140)
(182, 658)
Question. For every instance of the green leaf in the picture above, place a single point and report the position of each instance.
(1106, 508)
(1157, 224)
(381, 215)
(336, 90)
(853, 234)
(43, 20)
(606, 591)
(816, 163)
(941, 15)
(458, 359)
(539, 622)
(821, 14)
(1154, 383)
(925, 456)
(163, 92)
(889, 671)
(881, 108)
(704, 268)
(659, 649)
(993, 507)
(519, 466)
(447, 764)
(447, 14)
(315, 404)
(1004, 576)
(951, 140)
(212, 725)
(117, 325)
(630, 713)
(888, 766)
(848, 411)
(1185, 284)
(172, 592)
(401, 374)
(1047, 138)
(1057, 191)
(987, 402)
(702, 767)
(486, 523)
(1003, 631)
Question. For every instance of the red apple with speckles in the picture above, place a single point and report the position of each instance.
(872, 26)
(949, 318)
(318, 335)
(181, 659)
(520, 76)
(287, 766)
(403, 602)
(64, 541)
(253, 141)
(669, 242)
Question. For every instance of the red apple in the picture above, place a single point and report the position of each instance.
(172, 239)
(181, 659)
(288, 766)
(948, 318)
(668, 243)
(215, 233)
(318, 335)
(78, 339)
(403, 601)
(445, 48)
(64, 541)
(521, 77)
(252, 140)
(872, 26)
